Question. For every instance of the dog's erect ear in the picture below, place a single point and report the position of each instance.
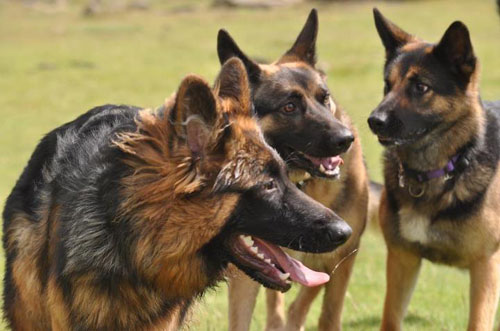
(304, 48)
(195, 113)
(227, 48)
(392, 36)
(455, 50)
(232, 82)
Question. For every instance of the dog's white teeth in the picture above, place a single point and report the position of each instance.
(261, 256)
(254, 249)
(322, 168)
(287, 281)
(267, 261)
(284, 276)
(273, 265)
(247, 240)
(333, 172)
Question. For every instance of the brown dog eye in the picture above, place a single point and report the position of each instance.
(421, 88)
(289, 107)
(270, 185)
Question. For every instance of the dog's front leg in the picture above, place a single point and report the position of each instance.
(484, 292)
(275, 302)
(297, 312)
(402, 273)
(335, 291)
(242, 295)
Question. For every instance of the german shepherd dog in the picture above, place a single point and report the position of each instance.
(124, 216)
(313, 134)
(442, 184)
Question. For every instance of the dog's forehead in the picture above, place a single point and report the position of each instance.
(417, 61)
(294, 74)
(411, 59)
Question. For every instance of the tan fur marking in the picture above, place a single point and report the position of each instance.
(59, 312)
(413, 46)
(26, 237)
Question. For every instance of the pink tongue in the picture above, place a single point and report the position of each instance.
(298, 272)
(329, 163)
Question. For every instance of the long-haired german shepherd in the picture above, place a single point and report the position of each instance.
(314, 135)
(442, 183)
(123, 216)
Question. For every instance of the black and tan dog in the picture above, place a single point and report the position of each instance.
(313, 134)
(442, 185)
(124, 216)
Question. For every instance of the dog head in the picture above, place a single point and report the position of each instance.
(428, 87)
(205, 173)
(294, 105)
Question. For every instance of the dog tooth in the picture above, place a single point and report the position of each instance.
(321, 168)
(261, 256)
(267, 261)
(287, 281)
(254, 249)
(273, 265)
(248, 241)
(284, 276)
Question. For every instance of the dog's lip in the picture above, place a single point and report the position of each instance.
(273, 264)
(386, 141)
(399, 141)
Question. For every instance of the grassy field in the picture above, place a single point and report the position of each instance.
(55, 66)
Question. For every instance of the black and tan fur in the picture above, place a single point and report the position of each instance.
(320, 127)
(432, 111)
(124, 216)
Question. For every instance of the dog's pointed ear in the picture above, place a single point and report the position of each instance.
(194, 113)
(227, 48)
(391, 35)
(455, 50)
(304, 48)
(233, 83)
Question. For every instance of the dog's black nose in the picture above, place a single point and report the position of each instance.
(339, 232)
(341, 141)
(377, 122)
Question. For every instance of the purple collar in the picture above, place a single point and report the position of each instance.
(426, 176)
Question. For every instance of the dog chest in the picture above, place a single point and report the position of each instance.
(438, 241)
(414, 227)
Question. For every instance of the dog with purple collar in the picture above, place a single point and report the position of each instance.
(441, 199)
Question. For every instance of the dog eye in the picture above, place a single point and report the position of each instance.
(421, 88)
(289, 107)
(269, 185)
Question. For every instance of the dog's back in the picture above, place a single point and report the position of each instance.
(60, 162)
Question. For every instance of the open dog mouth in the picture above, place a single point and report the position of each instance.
(327, 167)
(270, 265)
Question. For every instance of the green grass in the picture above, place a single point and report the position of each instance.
(54, 67)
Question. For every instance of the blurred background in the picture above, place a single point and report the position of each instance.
(59, 58)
